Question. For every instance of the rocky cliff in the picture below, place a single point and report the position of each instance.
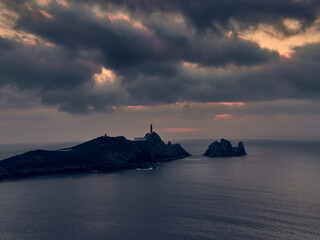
(100, 154)
(225, 149)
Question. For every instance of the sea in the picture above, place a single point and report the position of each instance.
(272, 193)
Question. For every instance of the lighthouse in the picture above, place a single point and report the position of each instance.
(151, 130)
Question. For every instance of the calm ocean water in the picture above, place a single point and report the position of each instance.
(273, 193)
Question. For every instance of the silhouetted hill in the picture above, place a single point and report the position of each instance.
(99, 154)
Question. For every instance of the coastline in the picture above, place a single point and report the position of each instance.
(102, 154)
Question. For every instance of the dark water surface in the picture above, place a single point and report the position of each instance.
(273, 193)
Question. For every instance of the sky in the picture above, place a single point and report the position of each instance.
(72, 70)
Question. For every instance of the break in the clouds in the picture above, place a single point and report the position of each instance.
(81, 56)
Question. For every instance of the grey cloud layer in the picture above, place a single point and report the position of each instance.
(205, 14)
(148, 63)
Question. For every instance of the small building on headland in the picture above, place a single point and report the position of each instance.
(144, 138)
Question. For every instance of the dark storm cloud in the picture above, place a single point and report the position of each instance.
(14, 98)
(204, 14)
(56, 77)
(35, 66)
(309, 52)
(122, 46)
(288, 79)
(81, 100)
(5, 44)
(289, 107)
(148, 63)
(296, 78)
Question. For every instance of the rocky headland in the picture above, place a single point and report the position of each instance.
(225, 149)
(102, 154)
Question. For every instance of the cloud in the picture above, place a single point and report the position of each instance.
(58, 78)
(13, 98)
(179, 52)
(310, 52)
(293, 78)
(122, 45)
(5, 45)
(218, 14)
(40, 66)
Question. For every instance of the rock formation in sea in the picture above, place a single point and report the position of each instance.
(225, 149)
(102, 154)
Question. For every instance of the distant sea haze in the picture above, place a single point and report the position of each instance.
(272, 193)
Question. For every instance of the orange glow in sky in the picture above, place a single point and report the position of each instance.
(188, 104)
(287, 54)
(140, 26)
(210, 103)
(190, 64)
(43, 2)
(292, 25)
(120, 16)
(29, 41)
(49, 44)
(227, 103)
(63, 3)
(45, 14)
(224, 116)
(193, 66)
(267, 37)
(138, 107)
(106, 75)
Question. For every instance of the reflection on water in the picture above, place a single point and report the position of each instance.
(273, 193)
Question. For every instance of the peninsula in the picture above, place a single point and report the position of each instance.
(102, 154)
